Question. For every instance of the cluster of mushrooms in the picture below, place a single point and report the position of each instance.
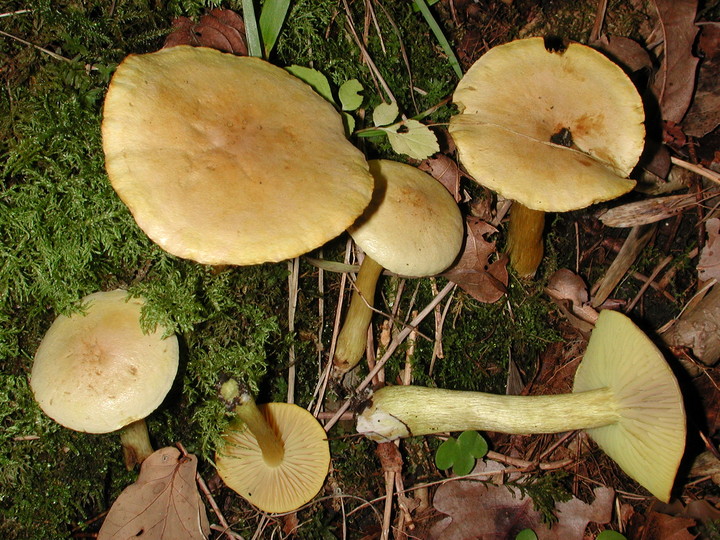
(229, 160)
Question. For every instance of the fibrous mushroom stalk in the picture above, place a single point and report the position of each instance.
(353, 335)
(525, 239)
(404, 411)
(246, 410)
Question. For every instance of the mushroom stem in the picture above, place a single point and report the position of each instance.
(270, 444)
(524, 240)
(353, 335)
(405, 411)
(136, 445)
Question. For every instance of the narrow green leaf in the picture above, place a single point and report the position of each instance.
(272, 17)
(251, 29)
(446, 454)
(314, 78)
(349, 95)
(442, 40)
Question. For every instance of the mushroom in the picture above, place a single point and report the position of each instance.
(225, 159)
(625, 396)
(275, 455)
(97, 371)
(412, 227)
(554, 129)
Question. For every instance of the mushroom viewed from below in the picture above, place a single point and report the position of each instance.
(97, 371)
(225, 159)
(553, 129)
(275, 455)
(412, 227)
(625, 396)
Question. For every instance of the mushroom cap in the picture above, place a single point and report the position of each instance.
(519, 95)
(225, 159)
(299, 476)
(98, 371)
(412, 226)
(649, 439)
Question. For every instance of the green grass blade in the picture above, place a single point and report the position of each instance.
(444, 43)
(251, 29)
(272, 17)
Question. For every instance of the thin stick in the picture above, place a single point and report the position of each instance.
(397, 340)
(697, 169)
(41, 49)
(293, 281)
(645, 286)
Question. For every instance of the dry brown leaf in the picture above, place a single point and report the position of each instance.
(675, 80)
(221, 29)
(475, 510)
(704, 114)
(483, 280)
(569, 292)
(163, 503)
(656, 525)
(709, 264)
(624, 51)
(445, 171)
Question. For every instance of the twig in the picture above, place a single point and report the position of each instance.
(293, 280)
(662, 264)
(397, 340)
(697, 169)
(41, 49)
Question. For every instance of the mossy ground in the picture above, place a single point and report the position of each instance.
(66, 234)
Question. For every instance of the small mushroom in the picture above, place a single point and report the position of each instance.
(412, 227)
(225, 159)
(275, 455)
(625, 396)
(97, 371)
(554, 129)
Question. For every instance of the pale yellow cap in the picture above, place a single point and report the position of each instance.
(225, 159)
(412, 227)
(98, 371)
(519, 95)
(648, 441)
(300, 475)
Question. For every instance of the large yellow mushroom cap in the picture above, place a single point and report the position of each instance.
(519, 95)
(98, 371)
(229, 160)
(299, 476)
(648, 441)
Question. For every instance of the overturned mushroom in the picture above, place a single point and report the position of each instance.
(99, 372)
(552, 128)
(412, 227)
(225, 159)
(275, 455)
(625, 396)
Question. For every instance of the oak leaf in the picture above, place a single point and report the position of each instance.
(484, 280)
(163, 504)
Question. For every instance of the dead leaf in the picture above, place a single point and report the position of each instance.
(483, 280)
(569, 292)
(221, 29)
(624, 51)
(475, 510)
(674, 82)
(445, 171)
(163, 503)
(704, 114)
(655, 525)
(709, 264)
